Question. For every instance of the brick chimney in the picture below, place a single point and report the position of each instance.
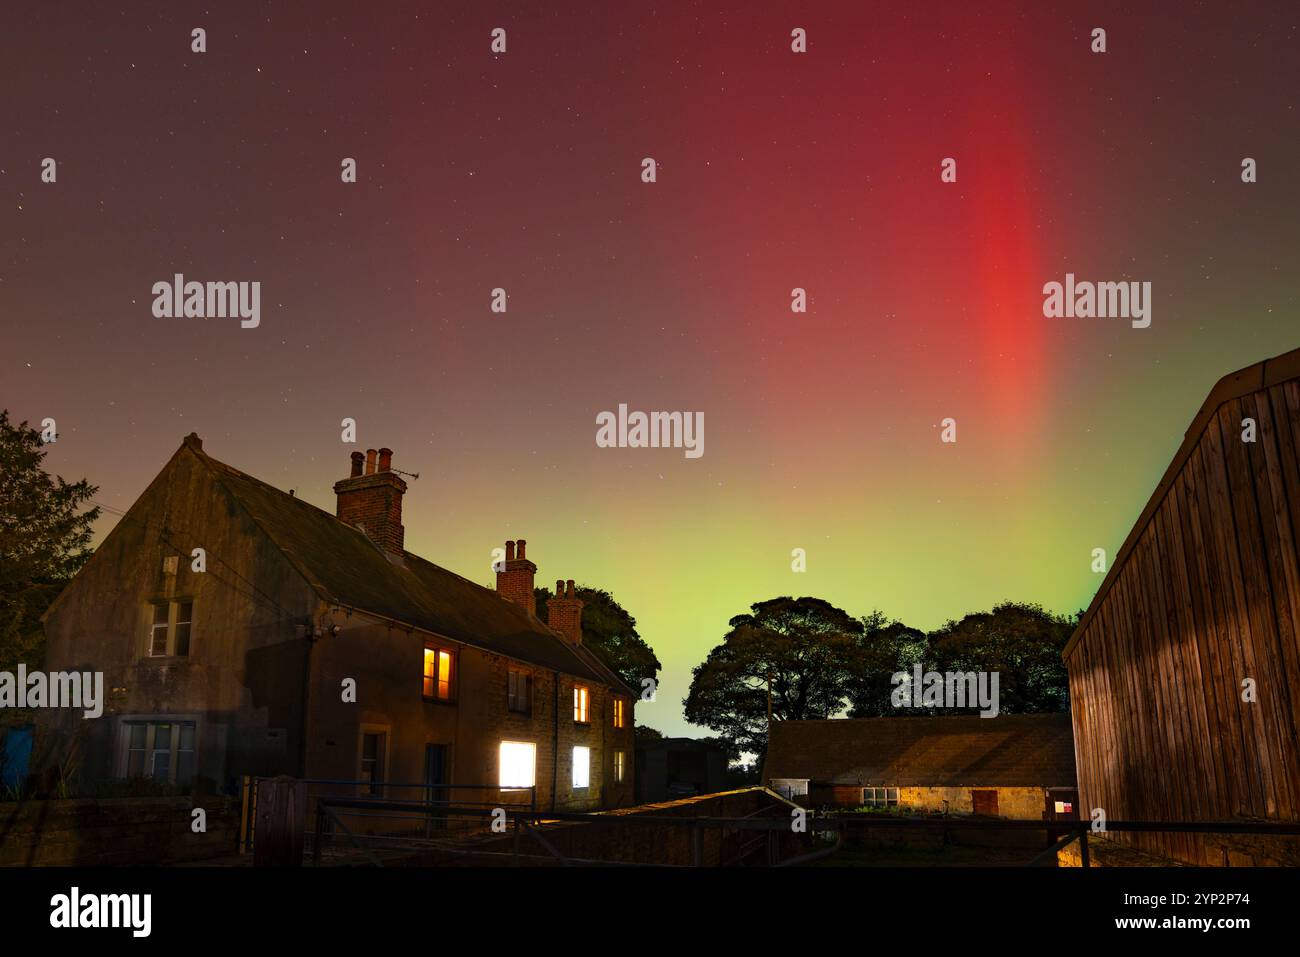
(371, 499)
(515, 580)
(564, 612)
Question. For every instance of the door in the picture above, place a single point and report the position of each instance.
(436, 776)
(985, 802)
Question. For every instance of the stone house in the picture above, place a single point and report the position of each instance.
(1012, 766)
(313, 644)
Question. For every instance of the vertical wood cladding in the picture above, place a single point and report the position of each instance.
(1204, 594)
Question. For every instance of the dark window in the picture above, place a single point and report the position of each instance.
(184, 618)
(519, 688)
(161, 750)
(372, 760)
(169, 631)
(158, 633)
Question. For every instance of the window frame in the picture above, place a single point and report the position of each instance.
(171, 627)
(433, 681)
(620, 767)
(586, 765)
(532, 746)
(372, 787)
(620, 712)
(150, 723)
(887, 798)
(581, 704)
(512, 699)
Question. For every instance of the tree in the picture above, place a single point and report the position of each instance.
(611, 632)
(803, 647)
(886, 648)
(44, 539)
(1019, 640)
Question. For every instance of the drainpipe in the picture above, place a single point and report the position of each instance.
(555, 742)
(312, 634)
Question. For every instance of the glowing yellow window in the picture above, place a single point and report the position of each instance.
(438, 665)
(618, 712)
(619, 767)
(581, 699)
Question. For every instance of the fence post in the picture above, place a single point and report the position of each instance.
(245, 814)
(319, 838)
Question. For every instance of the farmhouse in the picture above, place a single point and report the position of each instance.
(314, 644)
(1185, 669)
(1013, 766)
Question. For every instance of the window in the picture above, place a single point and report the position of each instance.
(374, 744)
(519, 691)
(518, 764)
(438, 678)
(581, 767)
(618, 713)
(790, 788)
(880, 797)
(158, 634)
(184, 618)
(620, 765)
(169, 630)
(160, 750)
(581, 701)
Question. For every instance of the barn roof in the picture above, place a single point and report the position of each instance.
(347, 569)
(1011, 750)
(1243, 382)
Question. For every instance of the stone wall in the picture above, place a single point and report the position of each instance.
(86, 832)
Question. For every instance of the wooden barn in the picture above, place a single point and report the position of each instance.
(1185, 670)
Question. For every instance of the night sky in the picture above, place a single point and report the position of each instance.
(775, 170)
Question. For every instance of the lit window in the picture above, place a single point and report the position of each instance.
(618, 712)
(437, 674)
(518, 764)
(619, 758)
(581, 699)
(519, 685)
(581, 767)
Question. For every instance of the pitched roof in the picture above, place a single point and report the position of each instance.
(346, 568)
(1011, 750)
(1234, 385)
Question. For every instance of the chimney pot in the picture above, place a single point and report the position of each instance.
(570, 593)
(385, 460)
(559, 588)
(515, 578)
(372, 502)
